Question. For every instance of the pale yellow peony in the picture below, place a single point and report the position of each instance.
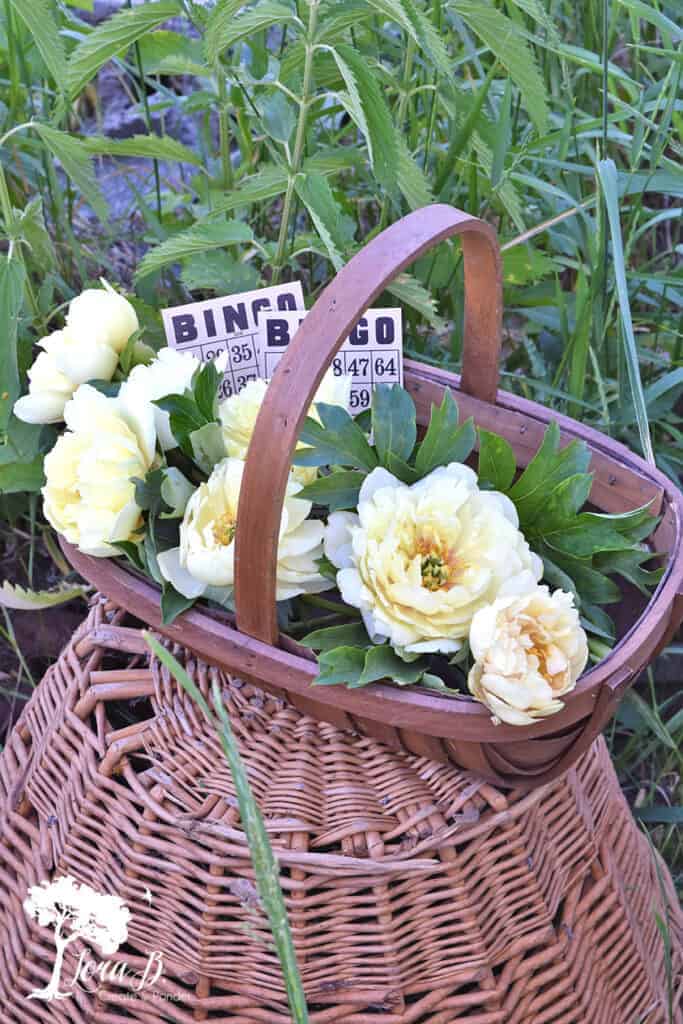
(206, 555)
(49, 388)
(101, 314)
(238, 416)
(89, 496)
(529, 650)
(419, 561)
(170, 373)
(98, 325)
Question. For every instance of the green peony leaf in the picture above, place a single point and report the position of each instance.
(497, 463)
(382, 662)
(339, 490)
(336, 440)
(352, 634)
(340, 665)
(393, 423)
(444, 441)
(173, 604)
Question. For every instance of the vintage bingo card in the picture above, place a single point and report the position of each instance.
(371, 355)
(229, 324)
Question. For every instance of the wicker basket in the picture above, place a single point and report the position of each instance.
(454, 731)
(417, 893)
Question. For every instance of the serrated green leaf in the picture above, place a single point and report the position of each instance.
(508, 44)
(217, 272)
(393, 423)
(22, 599)
(407, 289)
(112, 37)
(371, 113)
(315, 193)
(151, 146)
(38, 16)
(412, 180)
(267, 184)
(337, 439)
(339, 490)
(352, 634)
(228, 28)
(77, 164)
(497, 463)
(418, 26)
(340, 665)
(197, 239)
(169, 53)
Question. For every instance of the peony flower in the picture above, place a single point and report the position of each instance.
(102, 315)
(238, 416)
(49, 388)
(419, 561)
(529, 649)
(98, 325)
(206, 555)
(89, 496)
(169, 374)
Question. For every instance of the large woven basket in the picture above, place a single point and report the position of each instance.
(456, 731)
(417, 893)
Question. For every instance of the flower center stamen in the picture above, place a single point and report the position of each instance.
(435, 572)
(224, 529)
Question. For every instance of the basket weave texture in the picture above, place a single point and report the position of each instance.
(417, 893)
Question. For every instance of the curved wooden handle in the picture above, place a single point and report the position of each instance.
(333, 317)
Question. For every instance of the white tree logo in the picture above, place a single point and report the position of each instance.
(77, 912)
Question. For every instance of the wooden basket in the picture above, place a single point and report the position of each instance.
(417, 894)
(458, 731)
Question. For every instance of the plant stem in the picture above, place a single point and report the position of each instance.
(224, 129)
(299, 142)
(148, 121)
(9, 218)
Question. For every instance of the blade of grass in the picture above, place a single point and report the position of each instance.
(607, 173)
(265, 864)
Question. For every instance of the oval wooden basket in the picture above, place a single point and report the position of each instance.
(456, 730)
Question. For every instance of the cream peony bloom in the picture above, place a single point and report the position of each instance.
(98, 325)
(49, 388)
(238, 416)
(89, 496)
(169, 374)
(420, 560)
(206, 554)
(102, 315)
(529, 649)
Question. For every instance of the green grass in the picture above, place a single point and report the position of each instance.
(319, 123)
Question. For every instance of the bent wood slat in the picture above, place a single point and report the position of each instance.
(309, 355)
